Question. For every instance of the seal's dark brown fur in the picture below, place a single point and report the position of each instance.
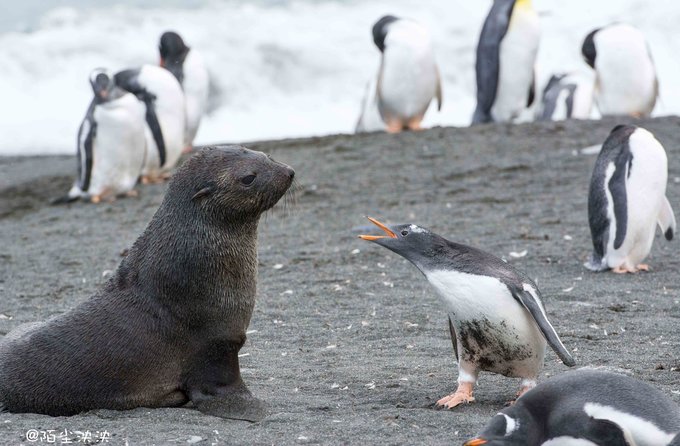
(167, 327)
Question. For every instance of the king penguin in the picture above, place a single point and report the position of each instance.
(627, 199)
(586, 407)
(188, 67)
(506, 55)
(111, 142)
(566, 96)
(626, 77)
(497, 320)
(408, 77)
(163, 98)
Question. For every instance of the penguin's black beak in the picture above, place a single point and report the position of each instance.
(388, 231)
(475, 442)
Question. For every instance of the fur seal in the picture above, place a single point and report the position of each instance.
(167, 327)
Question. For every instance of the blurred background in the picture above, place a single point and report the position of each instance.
(278, 68)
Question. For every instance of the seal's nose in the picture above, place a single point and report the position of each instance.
(290, 172)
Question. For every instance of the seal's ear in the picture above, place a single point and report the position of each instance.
(207, 190)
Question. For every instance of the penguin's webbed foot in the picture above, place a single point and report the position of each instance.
(463, 394)
(622, 269)
(643, 267)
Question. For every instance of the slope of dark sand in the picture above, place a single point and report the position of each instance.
(348, 343)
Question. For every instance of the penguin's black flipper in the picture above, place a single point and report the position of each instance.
(531, 301)
(617, 188)
(454, 339)
(601, 431)
(667, 219)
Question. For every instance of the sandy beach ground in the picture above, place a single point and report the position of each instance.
(348, 343)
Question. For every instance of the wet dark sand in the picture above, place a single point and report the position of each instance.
(348, 343)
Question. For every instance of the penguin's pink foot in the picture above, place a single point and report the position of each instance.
(96, 199)
(394, 128)
(463, 394)
(187, 149)
(622, 269)
(132, 193)
(643, 267)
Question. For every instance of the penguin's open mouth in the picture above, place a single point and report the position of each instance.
(475, 442)
(387, 230)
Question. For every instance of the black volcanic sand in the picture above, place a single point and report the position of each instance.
(348, 343)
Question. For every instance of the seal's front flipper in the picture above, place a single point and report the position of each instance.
(233, 402)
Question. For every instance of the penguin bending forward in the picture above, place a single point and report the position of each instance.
(626, 77)
(586, 408)
(506, 54)
(497, 320)
(111, 143)
(627, 199)
(187, 65)
(566, 96)
(408, 78)
(163, 98)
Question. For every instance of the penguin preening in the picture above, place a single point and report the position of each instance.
(626, 81)
(586, 407)
(408, 77)
(497, 319)
(111, 143)
(566, 96)
(627, 199)
(506, 55)
(188, 67)
(163, 98)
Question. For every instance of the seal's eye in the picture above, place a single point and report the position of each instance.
(404, 233)
(248, 180)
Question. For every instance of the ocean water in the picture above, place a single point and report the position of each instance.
(280, 68)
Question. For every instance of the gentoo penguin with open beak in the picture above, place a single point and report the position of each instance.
(627, 199)
(586, 408)
(163, 98)
(187, 65)
(626, 78)
(497, 320)
(408, 78)
(506, 54)
(111, 143)
(566, 96)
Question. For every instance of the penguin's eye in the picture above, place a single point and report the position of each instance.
(248, 180)
(404, 233)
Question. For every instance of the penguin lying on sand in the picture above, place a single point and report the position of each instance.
(586, 408)
(626, 77)
(627, 199)
(162, 95)
(566, 96)
(497, 321)
(111, 143)
(506, 54)
(408, 78)
(187, 65)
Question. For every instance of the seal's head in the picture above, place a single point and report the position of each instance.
(230, 183)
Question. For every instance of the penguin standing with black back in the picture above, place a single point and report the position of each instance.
(506, 55)
(188, 67)
(408, 78)
(626, 81)
(627, 199)
(163, 98)
(586, 408)
(497, 320)
(111, 143)
(566, 96)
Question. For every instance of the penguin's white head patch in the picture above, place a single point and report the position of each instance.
(511, 425)
(417, 229)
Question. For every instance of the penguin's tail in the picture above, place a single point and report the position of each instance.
(596, 264)
(72, 196)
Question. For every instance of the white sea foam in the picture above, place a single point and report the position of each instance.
(284, 68)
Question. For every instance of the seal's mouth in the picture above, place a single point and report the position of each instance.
(382, 226)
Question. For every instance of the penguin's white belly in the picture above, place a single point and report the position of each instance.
(408, 82)
(195, 84)
(626, 78)
(645, 193)
(118, 147)
(517, 55)
(583, 100)
(370, 119)
(494, 331)
(568, 441)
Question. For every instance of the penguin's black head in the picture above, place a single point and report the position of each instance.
(102, 84)
(412, 242)
(173, 52)
(508, 429)
(588, 48)
(380, 31)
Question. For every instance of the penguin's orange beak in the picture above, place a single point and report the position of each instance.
(475, 442)
(387, 230)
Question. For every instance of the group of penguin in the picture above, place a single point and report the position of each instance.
(622, 81)
(139, 122)
(498, 323)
